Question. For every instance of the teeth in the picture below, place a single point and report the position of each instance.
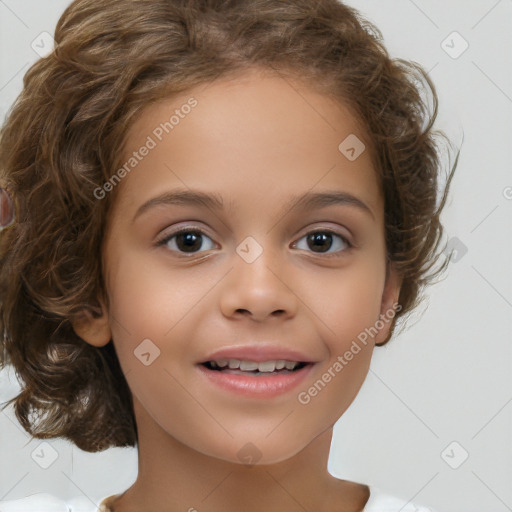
(263, 366)
(267, 366)
(248, 365)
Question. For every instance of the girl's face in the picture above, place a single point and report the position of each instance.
(248, 279)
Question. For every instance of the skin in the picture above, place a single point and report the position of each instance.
(256, 139)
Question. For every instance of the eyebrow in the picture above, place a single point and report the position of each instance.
(307, 201)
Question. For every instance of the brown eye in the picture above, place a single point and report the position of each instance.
(321, 242)
(189, 242)
(186, 241)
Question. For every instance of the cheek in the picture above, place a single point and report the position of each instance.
(138, 307)
(150, 301)
(334, 387)
(146, 298)
(345, 310)
(346, 306)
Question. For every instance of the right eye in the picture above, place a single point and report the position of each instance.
(185, 240)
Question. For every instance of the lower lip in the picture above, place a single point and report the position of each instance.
(261, 386)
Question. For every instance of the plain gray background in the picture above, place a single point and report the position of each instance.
(433, 421)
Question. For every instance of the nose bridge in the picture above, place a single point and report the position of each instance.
(258, 284)
(254, 262)
(257, 264)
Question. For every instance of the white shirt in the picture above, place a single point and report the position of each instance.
(43, 502)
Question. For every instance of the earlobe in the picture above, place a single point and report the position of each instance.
(389, 304)
(93, 329)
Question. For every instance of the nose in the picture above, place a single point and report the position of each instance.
(258, 290)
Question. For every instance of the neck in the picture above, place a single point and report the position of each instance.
(174, 477)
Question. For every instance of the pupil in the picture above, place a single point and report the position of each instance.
(319, 238)
(191, 239)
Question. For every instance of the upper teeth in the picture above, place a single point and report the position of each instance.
(263, 366)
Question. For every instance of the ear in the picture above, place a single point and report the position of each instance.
(93, 328)
(389, 304)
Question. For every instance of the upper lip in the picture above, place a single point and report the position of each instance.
(258, 353)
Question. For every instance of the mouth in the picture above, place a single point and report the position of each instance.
(254, 379)
(254, 368)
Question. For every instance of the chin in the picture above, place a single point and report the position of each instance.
(258, 452)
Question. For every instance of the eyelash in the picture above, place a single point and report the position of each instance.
(163, 241)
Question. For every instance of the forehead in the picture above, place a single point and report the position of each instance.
(254, 135)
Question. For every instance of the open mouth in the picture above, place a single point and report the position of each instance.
(255, 379)
(255, 368)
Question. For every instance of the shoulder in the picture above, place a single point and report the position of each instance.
(44, 502)
(381, 501)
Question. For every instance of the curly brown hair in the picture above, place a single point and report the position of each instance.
(62, 140)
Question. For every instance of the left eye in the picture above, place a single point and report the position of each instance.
(323, 240)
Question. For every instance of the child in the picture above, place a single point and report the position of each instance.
(170, 167)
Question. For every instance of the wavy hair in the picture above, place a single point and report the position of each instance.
(61, 141)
